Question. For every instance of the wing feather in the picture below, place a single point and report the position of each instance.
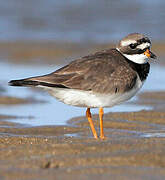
(101, 72)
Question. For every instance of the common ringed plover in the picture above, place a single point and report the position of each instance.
(99, 80)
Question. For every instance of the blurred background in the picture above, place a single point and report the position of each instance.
(38, 36)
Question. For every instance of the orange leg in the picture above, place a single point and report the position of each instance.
(89, 117)
(101, 113)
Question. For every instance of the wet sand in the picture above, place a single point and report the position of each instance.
(134, 147)
(9, 100)
(47, 52)
(57, 52)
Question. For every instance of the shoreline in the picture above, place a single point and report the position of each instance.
(134, 145)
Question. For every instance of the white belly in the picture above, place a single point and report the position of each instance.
(89, 99)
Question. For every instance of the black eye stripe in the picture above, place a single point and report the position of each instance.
(139, 42)
(136, 51)
(134, 45)
(143, 40)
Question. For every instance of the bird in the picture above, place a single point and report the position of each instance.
(102, 79)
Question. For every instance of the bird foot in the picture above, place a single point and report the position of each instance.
(102, 137)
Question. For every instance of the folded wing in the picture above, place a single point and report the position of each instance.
(97, 73)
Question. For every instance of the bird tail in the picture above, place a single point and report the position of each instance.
(23, 82)
(29, 82)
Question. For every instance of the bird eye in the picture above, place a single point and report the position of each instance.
(132, 46)
(145, 41)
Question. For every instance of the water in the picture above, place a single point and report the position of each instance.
(153, 134)
(54, 112)
(77, 20)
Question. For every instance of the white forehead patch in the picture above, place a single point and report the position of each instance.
(144, 45)
(127, 42)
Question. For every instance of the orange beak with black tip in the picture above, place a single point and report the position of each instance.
(149, 54)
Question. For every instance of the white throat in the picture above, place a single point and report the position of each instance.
(136, 58)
